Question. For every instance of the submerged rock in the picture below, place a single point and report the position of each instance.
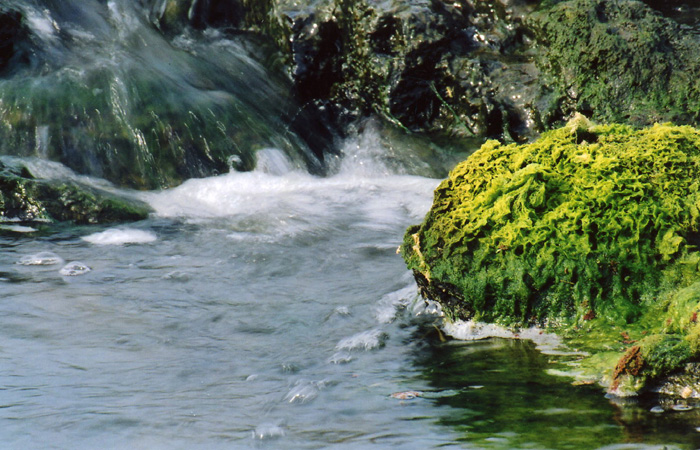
(24, 198)
(592, 230)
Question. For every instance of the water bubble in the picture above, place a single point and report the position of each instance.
(681, 407)
(341, 357)
(303, 392)
(40, 259)
(366, 340)
(342, 311)
(73, 269)
(268, 431)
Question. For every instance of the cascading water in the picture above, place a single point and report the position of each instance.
(98, 88)
(254, 309)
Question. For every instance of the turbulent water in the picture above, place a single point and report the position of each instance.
(268, 309)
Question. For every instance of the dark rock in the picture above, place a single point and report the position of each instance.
(13, 37)
(25, 198)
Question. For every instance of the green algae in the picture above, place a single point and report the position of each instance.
(592, 230)
(26, 198)
(618, 61)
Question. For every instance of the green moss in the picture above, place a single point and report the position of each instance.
(28, 199)
(592, 229)
(619, 61)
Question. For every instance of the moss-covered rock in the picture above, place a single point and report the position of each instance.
(592, 230)
(618, 62)
(25, 198)
(123, 102)
(500, 69)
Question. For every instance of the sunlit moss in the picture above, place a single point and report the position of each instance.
(28, 199)
(590, 227)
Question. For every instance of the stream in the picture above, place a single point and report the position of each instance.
(262, 308)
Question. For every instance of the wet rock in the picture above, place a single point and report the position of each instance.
(617, 62)
(589, 230)
(684, 384)
(13, 39)
(25, 198)
(502, 69)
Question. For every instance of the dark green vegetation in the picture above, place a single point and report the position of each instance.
(592, 230)
(619, 62)
(25, 198)
(507, 70)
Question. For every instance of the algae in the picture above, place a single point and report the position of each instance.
(26, 198)
(618, 61)
(592, 230)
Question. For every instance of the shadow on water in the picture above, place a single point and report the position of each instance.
(496, 393)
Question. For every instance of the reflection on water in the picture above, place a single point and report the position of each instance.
(500, 396)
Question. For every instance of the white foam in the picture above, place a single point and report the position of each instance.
(469, 330)
(120, 236)
(17, 228)
(297, 202)
(386, 309)
(369, 185)
(40, 259)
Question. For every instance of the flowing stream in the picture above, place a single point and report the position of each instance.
(264, 308)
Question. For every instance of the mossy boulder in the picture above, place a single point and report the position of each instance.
(618, 62)
(25, 198)
(592, 230)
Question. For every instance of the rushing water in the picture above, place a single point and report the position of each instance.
(269, 309)
(260, 309)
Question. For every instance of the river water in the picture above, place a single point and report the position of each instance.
(269, 309)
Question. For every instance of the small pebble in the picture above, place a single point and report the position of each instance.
(657, 410)
(686, 392)
(407, 395)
